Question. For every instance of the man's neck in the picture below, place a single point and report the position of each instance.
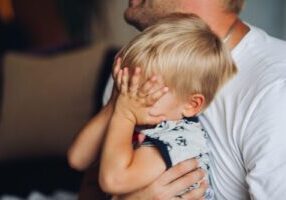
(239, 31)
(221, 24)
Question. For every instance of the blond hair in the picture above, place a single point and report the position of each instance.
(183, 50)
(233, 5)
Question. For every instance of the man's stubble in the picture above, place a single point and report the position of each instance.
(149, 12)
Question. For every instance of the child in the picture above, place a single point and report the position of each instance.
(182, 53)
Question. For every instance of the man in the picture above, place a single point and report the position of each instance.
(246, 122)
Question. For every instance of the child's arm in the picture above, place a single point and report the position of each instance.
(84, 150)
(123, 169)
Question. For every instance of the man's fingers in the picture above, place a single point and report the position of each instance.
(177, 171)
(197, 193)
(186, 181)
(134, 84)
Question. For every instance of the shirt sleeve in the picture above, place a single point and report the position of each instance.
(264, 145)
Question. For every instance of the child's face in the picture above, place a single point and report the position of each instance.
(168, 105)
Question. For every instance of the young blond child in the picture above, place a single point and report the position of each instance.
(168, 75)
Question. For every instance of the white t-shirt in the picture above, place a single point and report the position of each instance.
(246, 123)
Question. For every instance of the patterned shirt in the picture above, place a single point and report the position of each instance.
(181, 140)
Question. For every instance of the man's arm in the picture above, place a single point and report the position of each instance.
(173, 182)
(170, 183)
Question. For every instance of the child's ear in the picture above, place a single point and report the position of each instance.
(193, 105)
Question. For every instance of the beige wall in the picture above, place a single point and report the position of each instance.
(115, 28)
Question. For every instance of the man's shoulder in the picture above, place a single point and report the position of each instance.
(263, 45)
(261, 58)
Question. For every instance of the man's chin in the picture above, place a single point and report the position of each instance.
(130, 19)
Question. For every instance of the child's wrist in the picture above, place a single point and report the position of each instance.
(124, 116)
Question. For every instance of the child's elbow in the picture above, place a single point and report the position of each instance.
(111, 184)
(75, 162)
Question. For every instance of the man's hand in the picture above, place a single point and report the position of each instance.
(136, 98)
(173, 182)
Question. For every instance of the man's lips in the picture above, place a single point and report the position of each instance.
(134, 3)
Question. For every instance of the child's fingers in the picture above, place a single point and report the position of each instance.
(134, 85)
(116, 68)
(158, 84)
(147, 86)
(119, 79)
(156, 120)
(125, 80)
(154, 97)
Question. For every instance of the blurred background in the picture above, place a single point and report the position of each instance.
(55, 57)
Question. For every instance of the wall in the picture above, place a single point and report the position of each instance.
(116, 30)
(266, 14)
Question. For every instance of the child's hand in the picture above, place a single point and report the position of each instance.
(114, 93)
(135, 100)
(116, 68)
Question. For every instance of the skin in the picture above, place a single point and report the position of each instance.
(121, 164)
(141, 14)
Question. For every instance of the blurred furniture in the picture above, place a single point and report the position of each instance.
(45, 100)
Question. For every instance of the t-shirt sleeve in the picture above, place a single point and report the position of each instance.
(264, 145)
